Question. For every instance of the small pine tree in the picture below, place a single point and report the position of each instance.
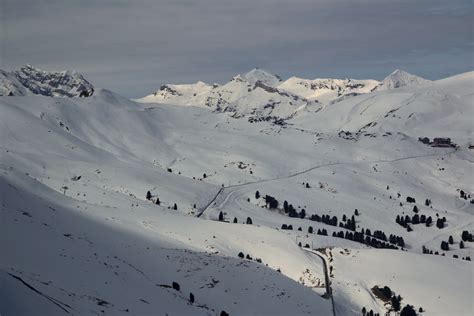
(241, 255)
(249, 221)
(175, 207)
(175, 286)
(395, 303)
(191, 298)
(221, 216)
(408, 311)
(415, 209)
(461, 244)
(157, 202)
(235, 220)
(364, 311)
(257, 195)
(148, 195)
(356, 212)
(310, 230)
(307, 185)
(450, 240)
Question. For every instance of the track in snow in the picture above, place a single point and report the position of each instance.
(223, 188)
(327, 279)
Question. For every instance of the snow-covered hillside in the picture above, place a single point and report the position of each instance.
(105, 202)
(29, 80)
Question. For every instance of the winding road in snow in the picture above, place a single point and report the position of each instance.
(326, 277)
(228, 191)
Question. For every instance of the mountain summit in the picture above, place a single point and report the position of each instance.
(30, 80)
(400, 78)
(263, 76)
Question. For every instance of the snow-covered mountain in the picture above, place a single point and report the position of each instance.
(29, 80)
(400, 78)
(327, 90)
(254, 94)
(110, 206)
(261, 95)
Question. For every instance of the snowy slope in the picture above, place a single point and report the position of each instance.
(30, 80)
(74, 173)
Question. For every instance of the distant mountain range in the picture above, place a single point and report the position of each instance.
(261, 95)
(257, 95)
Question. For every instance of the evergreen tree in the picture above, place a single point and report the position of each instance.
(157, 202)
(235, 220)
(408, 311)
(415, 219)
(175, 207)
(221, 216)
(241, 255)
(428, 221)
(356, 212)
(191, 298)
(444, 246)
(307, 185)
(148, 195)
(415, 209)
(175, 286)
(461, 244)
(310, 229)
(285, 206)
(450, 240)
(249, 221)
(364, 311)
(395, 303)
(257, 195)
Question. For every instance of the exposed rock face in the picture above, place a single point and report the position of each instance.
(29, 80)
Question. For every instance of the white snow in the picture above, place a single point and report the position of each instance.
(77, 228)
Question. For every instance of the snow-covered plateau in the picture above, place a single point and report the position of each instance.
(260, 196)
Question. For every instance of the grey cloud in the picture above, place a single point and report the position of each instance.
(132, 47)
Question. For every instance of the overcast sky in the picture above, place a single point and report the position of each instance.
(134, 46)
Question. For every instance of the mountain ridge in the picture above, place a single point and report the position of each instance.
(283, 98)
(29, 80)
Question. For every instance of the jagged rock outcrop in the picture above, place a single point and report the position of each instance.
(29, 80)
